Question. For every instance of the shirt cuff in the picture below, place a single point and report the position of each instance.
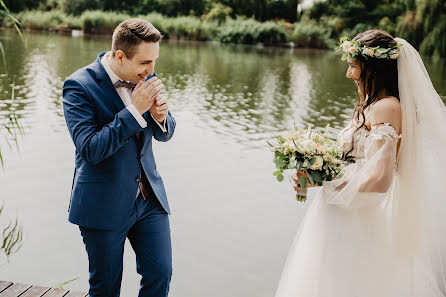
(163, 126)
(138, 117)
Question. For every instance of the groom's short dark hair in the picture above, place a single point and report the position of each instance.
(132, 32)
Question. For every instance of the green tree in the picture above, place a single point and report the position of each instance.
(423, 25)
(19, 5)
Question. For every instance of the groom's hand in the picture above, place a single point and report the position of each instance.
(145, 93)
(159, 109)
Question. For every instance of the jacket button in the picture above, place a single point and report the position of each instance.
(138, 180)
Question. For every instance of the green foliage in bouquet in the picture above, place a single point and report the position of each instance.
(312, 152)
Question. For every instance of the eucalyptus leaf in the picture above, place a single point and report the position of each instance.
(280, 178)
(310, 179)
(278, 172)
(303, 182)
(279, 164)
(316, 176)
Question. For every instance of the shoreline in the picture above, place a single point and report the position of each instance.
(76, 33)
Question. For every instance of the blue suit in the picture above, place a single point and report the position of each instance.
(108, 166)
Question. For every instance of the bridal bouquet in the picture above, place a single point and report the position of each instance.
(312, 152)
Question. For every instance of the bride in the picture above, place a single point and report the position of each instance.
(379, 228)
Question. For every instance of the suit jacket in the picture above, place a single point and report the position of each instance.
(108, 162)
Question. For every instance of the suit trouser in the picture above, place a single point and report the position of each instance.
(149, 234)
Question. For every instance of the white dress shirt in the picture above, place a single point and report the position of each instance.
(126, 96)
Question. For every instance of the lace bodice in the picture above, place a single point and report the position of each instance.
(346, 137)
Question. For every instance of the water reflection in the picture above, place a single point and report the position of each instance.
(245, 93)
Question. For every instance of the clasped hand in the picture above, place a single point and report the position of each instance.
(146, 96)
(296, 177)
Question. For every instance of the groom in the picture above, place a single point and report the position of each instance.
(112, 115)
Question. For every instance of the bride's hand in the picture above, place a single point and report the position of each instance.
(296, 177)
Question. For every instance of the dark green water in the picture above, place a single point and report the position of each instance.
(232, 223)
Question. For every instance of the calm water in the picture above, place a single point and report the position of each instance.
(232, 223)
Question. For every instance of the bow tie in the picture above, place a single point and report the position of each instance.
(124, 84)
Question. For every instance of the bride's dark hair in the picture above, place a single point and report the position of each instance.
(376, 74)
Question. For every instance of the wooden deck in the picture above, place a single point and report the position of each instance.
(8, 289)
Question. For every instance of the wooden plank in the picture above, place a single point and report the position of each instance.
(4, 285)
(76, 294)
(55, 293)
(35, 291)
(15, 290)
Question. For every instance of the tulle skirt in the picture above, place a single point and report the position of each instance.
(350, 253)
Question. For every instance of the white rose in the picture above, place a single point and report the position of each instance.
(309, 146)
(378, 53)
(394, 56)
(289, 146)
(352, 49)
(318, 164)
(345, 45)
(295, 135)
(368, 52)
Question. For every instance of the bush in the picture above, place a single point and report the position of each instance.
(334, 24)
(311, 34)
(38, 20)
(357, 29)
(73, 22)
(99, 22)
(77, 7)
(250, 31)
(387, 25)
(410, 28)
(219, 14)
(186, 28)
(435, 43)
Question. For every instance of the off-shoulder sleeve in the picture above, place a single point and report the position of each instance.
(368, 180)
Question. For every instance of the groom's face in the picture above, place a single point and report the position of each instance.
(141, 64)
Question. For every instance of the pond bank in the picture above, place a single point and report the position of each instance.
(238, 31)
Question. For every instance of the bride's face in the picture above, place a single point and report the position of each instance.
(354, 71)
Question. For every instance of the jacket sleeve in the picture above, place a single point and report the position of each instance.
(158, 134)
(93, 142)
(368, 180)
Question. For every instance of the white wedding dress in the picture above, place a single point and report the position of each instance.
(378, 229)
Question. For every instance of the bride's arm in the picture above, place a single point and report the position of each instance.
(386, 112)
(373, 174)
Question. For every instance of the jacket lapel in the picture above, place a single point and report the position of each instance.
(111, 96)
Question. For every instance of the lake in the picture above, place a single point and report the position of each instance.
(232, 222)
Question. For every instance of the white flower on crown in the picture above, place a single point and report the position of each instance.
(368, 51)
(353, 48)
(345, 45)
(378, 53)
(394, 56)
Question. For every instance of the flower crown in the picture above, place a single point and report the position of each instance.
(354, 48)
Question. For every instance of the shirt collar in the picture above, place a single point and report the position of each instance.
(113, 77)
